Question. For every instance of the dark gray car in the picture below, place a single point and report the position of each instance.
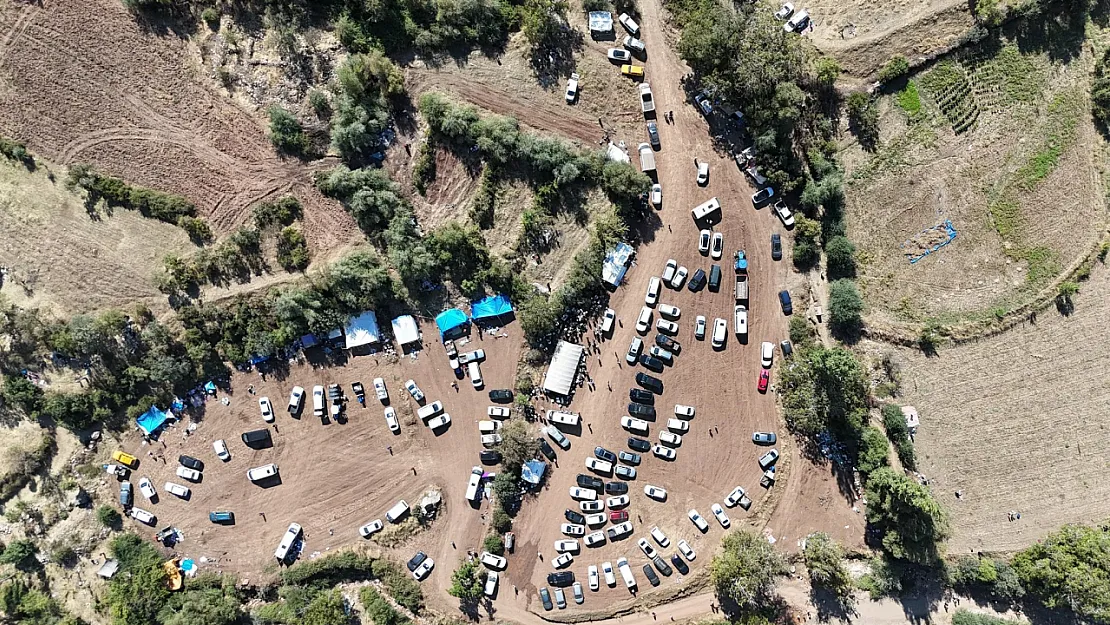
(650, 573)
(641, 410)
(662, 565)
(545, 597)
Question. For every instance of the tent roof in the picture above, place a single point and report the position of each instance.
(616, 264)
(492, 306)
(563, 367)
(405, 330)
(532, 471)
(601, 21)
(362, 330)
(152, 419)
(450, 319)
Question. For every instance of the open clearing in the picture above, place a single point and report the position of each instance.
(997, 142)
(1018, 422)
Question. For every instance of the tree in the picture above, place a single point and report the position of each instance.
(624, 186)
(824, 560)
(21, 553)
(198, 230)
(827, 70)
(895, 68)
(494, 544)
(745, 569)
(874, 451)
(1070, 569)
(863, 119)
(286, 132)
(827, 389)
(21, 392)
(899, 433)
(466, 584)
(292, 249)
(326, 608)
(506, 487)
(136, 595)
(202, 604)
(840, 255)
(910, 521)
(845, 307)
(542, 21)
(108, 517)
(518, 445)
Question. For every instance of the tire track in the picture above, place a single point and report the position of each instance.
(17, 30)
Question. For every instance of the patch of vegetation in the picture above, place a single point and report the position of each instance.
(432, 29)
(909, 100)
(494, 544)
(378, 609)
(744, 570)
(424, 170)
(17, 151)
(824, 560)
(235, 259)
(899, 433)
(165, 207)
(466, 585)
(367, 83)
(286, 132)
(26, 463)
(863, 120)
(993, 576)
(1069, 569)
(845, 308)
(484, 202)
(292, 249)
(883, 579)
(911, 522)
(198, 230)
(22, 603)
(826, 390)
(895, 68)
(840, 257)
(874, 452)
(21, 554)
(807, 251)
(963, 617)
(801, 334)
(948, 84)
(280, 212)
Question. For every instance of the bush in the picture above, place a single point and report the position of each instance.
(282, 212)
(21, 554)
(17, 151)
(211, 17)
(824, 560)
(379, 609)
(874, 451)
(292, 249)
(840, 255)
(286, 132)
(400, 585)
(899, 433)
(745, 569)
(20, 392)
(845, 307)
(321, 105)
(500, 521)
(911, 522)
(963, 617)
(863, 119)
(165, 207)
(801, 334)
(330, 570)
(884, 578)
(108, 517)
(494, 544)
(424, 171)
(198, 230)
(896, 68)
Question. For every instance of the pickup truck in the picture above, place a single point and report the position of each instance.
(572, 88)
(647, 157)
(452, 353)
(647, 101)
(741, 289)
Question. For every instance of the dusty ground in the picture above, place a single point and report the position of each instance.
(1017, 423)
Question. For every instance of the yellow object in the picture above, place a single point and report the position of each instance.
(173, 574)
(632, 71)
(125, 459)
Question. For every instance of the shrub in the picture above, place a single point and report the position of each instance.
(283, 212)
(494, 544)
(292, 249)
(884, 578)
(21, 554)
(211, 17)
(286, 132)
(873, 452)
(321, 105)
(745, 569)
(896, 68)
(824, 560)
(108, 517)
(400, 585)
(500, 521)
(424, 171)
(197, 229)
(801, 334)
(17, 151)
(845, 307)
(379, 609)
(899, 433)
(165, 207)
(963, 617)
(863, 119)
(330, 569)
(840, 257)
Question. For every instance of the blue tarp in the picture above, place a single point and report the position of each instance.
(449, 320)
(492, 306)
(210, 387)
(152, 419)
(308, 340)
(532, 471)
(616, 264)
(257, 359)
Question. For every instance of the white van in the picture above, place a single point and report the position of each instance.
(701, 211)
(318, 400)
(626, 572)
(740, 320)
(475, 374)
(142, 516)
(566, 418)
(472, 486)
(399, 510)
(287, 541)
(429, 411)
(263, 472)
(489, 427)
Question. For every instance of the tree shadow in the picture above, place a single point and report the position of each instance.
(830, 607)
(555, 59)
(1057, 30)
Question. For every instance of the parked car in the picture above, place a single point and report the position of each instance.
(176, 489)
(574, 517)
(560, 562)
(635, 72)
(662, 566)
(599, 466)
(380, 390)
(368, 530)
(629, 24)
(266, 408)
(592, 576)
(659, 536)
(616, 488)
(717, 248)
(740, 320)
(423, 569)
(797, 23)
(414, 390)
(571, 94)
(604, 454)
(678, 425)
(669, 327)
(684, 412)
(719, 512)
(493, 561)
(649, 572)
(703, 241)
(720, 330)
(576, 588)
(560, 439)
(764, 438)
(768, 459)
(147, 489)
(126, 496)
(635, 425)
(638, 444)
(669, 270)
(566, 544)
(222, 517)
(490, 588)
(679, 564)
(671, 438)
(416, 560)
(189, 474)
(220, 447)
(646, 547)
(652, 127)
(687, 551)
(617, 502)
(704, 105)
(588, 481)
(633, 44)
(776, 247)
(697, 520)
(618, 516)
(142, 516)
(657, 195)
(190, 462)
(699, 327)
(391, 419)
(735, 496)
(629, 457)
(545, 598)
(667, 342)
(665, 453)
(591, 506)
(593, 539)
(625, 472)
(619, 55)
(679, 277)
(764, 195)
(440, 421)
(784, 214)
(643, 322)
(560, 578)
(766, 354)
(489, 456)
(650, 382)
(764, 380)
(296, 400)
(655, 492)
(697, 281)
(661, 354)
(582, 493)
(641, 410)
(785, 11)
(784, 301)
(641, 396)
(501, 396)
(264, 472)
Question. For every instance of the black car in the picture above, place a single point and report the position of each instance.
(650, 573)
(679, 564)
(641, 396)
(616, 488)
(257, 439)
(641, 410)
(191, 462)
(574, 517)
(784, 300)
(605, 454)
(545, 597)
(416, 560)
(489, 456)
(697, 281)
(638, 444)
(546, 448)
(589, 481)
(662, 565)
(562, 578)
(776, 247)
(714, 278)
(651, 362)
(668, 343)
(501, 395)
(650, 382)
(653, 134)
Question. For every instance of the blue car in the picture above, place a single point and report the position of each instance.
(784, 300)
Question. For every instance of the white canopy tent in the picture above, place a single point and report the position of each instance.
(405, 330)
(363, 330)
(564, 365)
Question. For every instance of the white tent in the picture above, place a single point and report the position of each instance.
(362, 330)
(564, 365)
(405, 330)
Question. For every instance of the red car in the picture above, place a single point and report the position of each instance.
(618, 516)
(764, 378)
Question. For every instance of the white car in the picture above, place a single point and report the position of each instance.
(686, 550)
(678, 425)
(591, 506)
(660, 537)
(142, 516)
(565, 545)
(683, 412)
(220, 447)
(720, 329)
(634, 44)
(629, 24)
(176, 489)
(703, 172)
(643, 322)
(493, 561)
(595, 519)
(491, 583)
(439, 421)
(318, 400)
(189, 474)
(703, 242)
(664, 452)
(662, 354)
(583, 494)
(495, 412)
(620, 529)
(634, 425)
(671, 438)
(425, 567)
(697, 520)
(591, 574)
(562, 560)
(667, 310)
(414, 390)
(296, 398)
(797, 23)
(617, 54)
(266, 408)
(740, 320)
(572, 88)
(699, 327)
(391, 419)
(370, 528)
(766, 354)
(719, 512)
(147, 489)
(607, 321)
(380, 390)
(610, 576)
(646, 547)
(625, 472)
(570, 529)
(599, 466)
(668, 271)
(657, 493)
(679, 278)
(717, 249)
(668, 327)
(263, 472)
(785, 12)
(619, 501)
(652, 294)
(490, 439)
(634, 349)
(489, 427)
(657, 195)
(784, 214)
(735, 496)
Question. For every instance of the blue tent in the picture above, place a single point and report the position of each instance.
(492, 306)
(450, 319)
(532, 471)
(152, 419)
